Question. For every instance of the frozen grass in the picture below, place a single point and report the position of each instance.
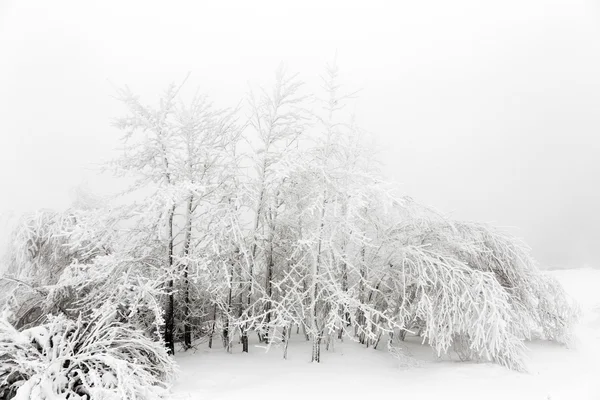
(352, 372)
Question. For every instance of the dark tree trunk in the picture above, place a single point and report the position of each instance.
(269, 290)
(244, 341)
(214, 324)
(226, 338)
(270, 268)
(169, 336)
(377, 341)
(344, 311)
(187, 327)
(317, 330)
(170, 320)
(246, 327)
(361, 319)
(226, 334)
(287, 333)
(316, 350)
(305, 322)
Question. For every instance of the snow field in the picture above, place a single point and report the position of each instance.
(350, 371)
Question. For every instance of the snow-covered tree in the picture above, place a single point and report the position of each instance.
(208, 165)
(150, 153)
(86, 358)
(277, 119)
(187, 155)
(289, 225)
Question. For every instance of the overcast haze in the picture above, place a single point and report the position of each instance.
(488, 110)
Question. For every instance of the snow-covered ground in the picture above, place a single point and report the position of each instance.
(352, 372)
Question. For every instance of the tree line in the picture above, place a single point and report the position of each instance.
(272, 219)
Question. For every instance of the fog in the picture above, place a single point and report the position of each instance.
(488, 111)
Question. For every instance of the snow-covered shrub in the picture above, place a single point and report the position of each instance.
(557, 314)
(538, 299)
(474, 289)
(29, 304)
(38, 249)
(23, 306)
(458, 306)
(133, 285)
(45, 247)
(403, 356)
(93, 358)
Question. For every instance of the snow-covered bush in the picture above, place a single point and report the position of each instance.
(45, 247)
(556, 313)
(95, 358)
(459, 306)
(473, 289)
(39, 250)
(540, 304)
(134, 286)
(536, 296)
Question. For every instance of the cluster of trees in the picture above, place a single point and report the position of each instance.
(271, 219)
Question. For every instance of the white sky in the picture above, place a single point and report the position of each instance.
(489, 110)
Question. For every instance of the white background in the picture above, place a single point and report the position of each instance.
(488, 110)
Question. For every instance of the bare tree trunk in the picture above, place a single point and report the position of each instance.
(244, 340)
(316, 348)
(345, 315)
(187, 328)
(226, 334)
(361, 318)
(246, 328)
(214, 323)
(316, 331)
(287, 334)
(269, 286)
(344, 311)
(328, 342)
(170, 308)
(305, 322)
(240, 301)
(377, 341)
(226, 338)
